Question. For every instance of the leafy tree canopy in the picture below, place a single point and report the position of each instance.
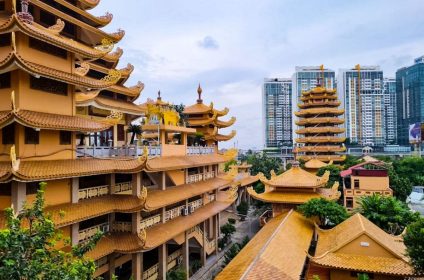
(414, 242)
(410, 167)
(228, 164)
(262, 163)
(28, 247)
(388, 213)
(327, 213)
(334, 174)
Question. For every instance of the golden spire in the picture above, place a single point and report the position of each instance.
(199, 92)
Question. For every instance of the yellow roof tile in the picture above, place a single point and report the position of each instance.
(296, 177)
(176, 162)
(315, 163)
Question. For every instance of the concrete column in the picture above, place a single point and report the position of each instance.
(211, 229)
(74, 234)
(74, 189)
(203, 249)
(136, 222)
(18, 195)
(111, 261)
(137, 266)
(163, 261)
(115, 136)
(216, 232)
(136, 184)
(111, 182)
(186, 254)
(163, 183)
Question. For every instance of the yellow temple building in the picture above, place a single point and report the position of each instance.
(64, 114)
(292, 188)
(313, 165)
(320, 126)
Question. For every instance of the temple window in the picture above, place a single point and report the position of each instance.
(32, 136)
(356, 183)
(47, 48)
(5, 39)
(121, 132)
(48, 85)
(65, 137)
(8, 134)
(32, 187)
(6, 189)
(5, 80)
(349, 202)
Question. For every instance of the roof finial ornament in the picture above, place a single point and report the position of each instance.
(24, 14)
(199, 92)
(159, 98)
(295, 164)
(321, 78)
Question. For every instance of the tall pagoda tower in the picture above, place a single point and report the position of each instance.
(65, 111)
(319, 119)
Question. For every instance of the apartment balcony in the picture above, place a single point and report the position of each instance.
(194, 178)
(97, 191)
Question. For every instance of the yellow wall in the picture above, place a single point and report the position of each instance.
(49, 144)
(374, 249)
(371, 183)
(5, 202)
(173, 150)
(177, 176)
(345, 275)
(56, 192)
(66, 232)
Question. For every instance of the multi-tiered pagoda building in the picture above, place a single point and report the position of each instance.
(320, 126)
(64, 115)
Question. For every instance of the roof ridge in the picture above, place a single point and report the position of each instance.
(261, 251)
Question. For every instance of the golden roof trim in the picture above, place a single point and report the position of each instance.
(317, 111)
(89, 4)
(176, 162)
(101, 21)
(295, 177)
(223, 124)
(109, 104)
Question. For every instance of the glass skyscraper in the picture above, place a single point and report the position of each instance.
(390, 120)
(410, 98)
(277, 112)
(365, 113)
(306, 78)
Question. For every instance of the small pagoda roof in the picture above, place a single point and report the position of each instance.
(370, 159)
(327, 148)
(133, 91)
(317, 111)
(320, 120)
(221, 137)
(319, 90)
(277, 251)
(88, 4)
(112, 104)
(321, 139)
(320, 129)
(177, 162)
(198, 108)
(295, 177)
(50, 121)
(329, 251)
(324, 157)
(44, 170)
(315, 164)
(161, 198)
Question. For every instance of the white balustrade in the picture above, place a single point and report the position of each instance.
(123, 187)
(91, 231)
(121, 226)
(150, 272)
(151, 221)
(93, 192)
(196, 204)
(194, 178)
(199, 150)
(129, 151)
(173, 213)
(172, 261)
(209, 175)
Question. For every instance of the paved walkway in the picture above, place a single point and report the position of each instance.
(248, 227)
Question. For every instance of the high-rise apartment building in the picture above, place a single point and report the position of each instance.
(390, 121)
(277, 112)
(410, 97)
(306, 78)
(363, 95)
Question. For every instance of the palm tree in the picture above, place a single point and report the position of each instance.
(135, 129)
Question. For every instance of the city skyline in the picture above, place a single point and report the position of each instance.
(230, 55)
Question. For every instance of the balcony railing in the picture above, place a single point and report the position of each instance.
(122, 226)
(200, 150)
(151, 221)
(93, 192)
(130, 151)
(172, 260)
(200, 177)
(122, 187)
(209, 175)
(87, 233)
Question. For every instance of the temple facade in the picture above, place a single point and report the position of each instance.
(65, 110)
(319, 119)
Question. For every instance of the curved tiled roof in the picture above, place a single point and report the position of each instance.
(319, 103)
(198, 108)
(320, 120)
(327, 148)
(320, 129)
(221, 137)
(51, 121)
(315, 163)
(323, 157)
(296, 177)
(321, 139)
(96, 21)
(89, 4)
(177, 162)
(113, 104)
(223, 124)
(317, 111)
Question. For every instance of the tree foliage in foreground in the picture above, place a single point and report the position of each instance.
(414, 242)
(334, 174)
(27, 247)
(388, 213)
(327, 213)
(262, 163)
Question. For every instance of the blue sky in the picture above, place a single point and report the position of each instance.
(229, 46)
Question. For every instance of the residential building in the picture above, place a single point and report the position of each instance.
(390, 110)
(362, 89)
(364, 179)
(306, 78)
(320, 126)
(64, 114)
(410, 98)
(277, 112)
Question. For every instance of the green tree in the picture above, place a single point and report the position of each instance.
(327, 213)
(227, 230)
(259, 187)
(27, 247)
(134, 129)
(401, 186)
(388, 213)
(180, 110)
(228, 164)
(176, 274)
(231, 253)
(351, 161)
(243, 208)
(244, 242)
(262, 163)
(363, 276)
(334, 174)
(414, 242)
(410, 167)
